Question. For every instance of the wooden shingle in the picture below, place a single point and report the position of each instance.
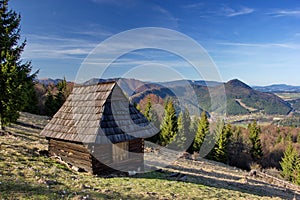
(99, 114)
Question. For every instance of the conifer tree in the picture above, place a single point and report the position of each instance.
(290, 163)
(254, 133)
(152, 117)
(297, 173)
(223, 133)
(184, 124)
(202, 131)
(54, 102)
(148, 109)
(168, 126)
(14, 75)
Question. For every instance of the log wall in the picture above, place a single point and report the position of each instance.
(74, 153)
(97, 159)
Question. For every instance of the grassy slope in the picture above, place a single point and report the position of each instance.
(24, 174)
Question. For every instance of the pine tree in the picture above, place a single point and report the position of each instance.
(148, 109)
(30, 99)
(168, 126)
(297, 173)
(152, 117)
(202, 131)
(14, 75)
(223, 133)
(184, 124)
(50, 104)
(289, 163)
(54, 102)
(254, 133)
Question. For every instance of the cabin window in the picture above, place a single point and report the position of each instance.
(120, 151)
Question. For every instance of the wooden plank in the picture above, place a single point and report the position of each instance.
(85, 160)
(71, 151)
(69, 145)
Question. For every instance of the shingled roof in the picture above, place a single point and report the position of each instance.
(99, 114)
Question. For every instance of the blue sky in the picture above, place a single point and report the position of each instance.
(255, 41)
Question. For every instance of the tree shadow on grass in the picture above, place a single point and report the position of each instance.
(222, 181)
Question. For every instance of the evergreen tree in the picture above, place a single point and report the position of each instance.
(30, 99)
(152, 117)
(290, 163)
(168, 126)
(61, 96)
(14, 75)
(254, 133)
(297, 173)
(202, 131)
(50, 104)
(54, 102)
(184, 124)
(148, 109)
(223, 133)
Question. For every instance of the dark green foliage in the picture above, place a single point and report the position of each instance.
(202, 132)
(184, 130)
(54, 102)
(152, 117)
(148, 109)
(223, 133)
(30, 99)
(15, 76)
(290, 164)
(254, 133)
(238, 150)
(234, 108)
(168, 126)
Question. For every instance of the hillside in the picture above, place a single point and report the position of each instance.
(277, 88)
(237, 92)
(25, 173)
(241, 98)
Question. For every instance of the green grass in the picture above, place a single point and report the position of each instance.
(24, 174)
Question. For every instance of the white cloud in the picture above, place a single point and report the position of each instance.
(264, 45)
(193, 6)
(230, 12)
(284, 13)
(54, 47)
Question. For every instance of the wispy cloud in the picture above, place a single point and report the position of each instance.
(193, 6)
(230, 12)
(126, 3)
(285, 13)
(55, 47)
(264, 45)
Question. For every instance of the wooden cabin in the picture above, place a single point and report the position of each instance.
(98, 130)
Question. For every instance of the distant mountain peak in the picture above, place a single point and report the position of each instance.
(237, 83)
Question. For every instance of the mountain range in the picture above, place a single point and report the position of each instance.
(196, 95)
(277, 88)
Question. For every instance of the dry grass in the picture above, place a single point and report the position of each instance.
(25, 174)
